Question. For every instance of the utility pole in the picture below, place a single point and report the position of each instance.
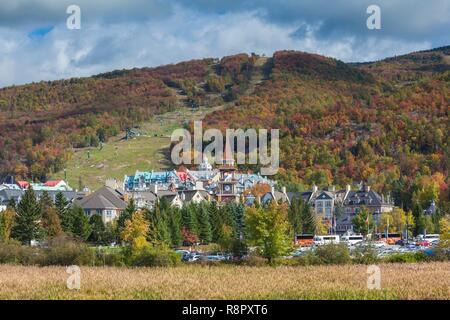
(387, 230)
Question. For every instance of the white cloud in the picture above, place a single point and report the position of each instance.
(184, 35)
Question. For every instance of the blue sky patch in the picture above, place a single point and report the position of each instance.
(40, 32)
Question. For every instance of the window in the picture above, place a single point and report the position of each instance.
(328, 204)
(109, 213)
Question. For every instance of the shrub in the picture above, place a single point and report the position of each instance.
(65, 251)
(441, 252)
(156, 256)
(308, 258)
(407, 257)
(253, 260)
(333, 254)
(115, 259)
(365, 255)
(15, 253)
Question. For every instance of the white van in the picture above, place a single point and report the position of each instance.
(429, 237)
(352, 239)
(321, 240)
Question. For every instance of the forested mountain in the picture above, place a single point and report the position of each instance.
(384, 122)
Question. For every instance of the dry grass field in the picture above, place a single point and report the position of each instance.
(398, 281)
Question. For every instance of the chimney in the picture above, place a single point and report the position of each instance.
(154, 188)
(283, 189)
(348, 188)
(315, 189)
(366, 188)
(199, 185)
(332, 188)
(183, 196)
(273, 189)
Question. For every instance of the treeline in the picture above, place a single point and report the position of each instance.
(195, 223)
(232, 227)
(38, 220)
(146, 237)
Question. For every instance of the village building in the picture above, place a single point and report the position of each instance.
(336, 207)
(222, 183)
(277, 196)
(106, 202)
(16, 191)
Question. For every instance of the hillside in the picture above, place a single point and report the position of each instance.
(41, 123)
(384, 122)
(119, 156)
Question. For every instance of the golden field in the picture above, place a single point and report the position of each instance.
(398, 281)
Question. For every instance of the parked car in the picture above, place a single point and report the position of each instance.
(423, 243)
(195, 257)
(352, 239)
(432, 238)
(328, 239)
(216, 257)
(183, 252)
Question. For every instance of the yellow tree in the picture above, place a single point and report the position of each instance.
(396, 220)
(321, 227)
(135, 231)
(268, 230)
(444, 228)
(6, 224)
(428, 189)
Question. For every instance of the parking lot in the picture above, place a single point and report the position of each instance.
(382, 249)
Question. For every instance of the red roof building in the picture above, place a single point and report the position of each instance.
(52, 183)
(23, 184)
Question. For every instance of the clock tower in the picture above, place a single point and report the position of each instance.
(227, 183)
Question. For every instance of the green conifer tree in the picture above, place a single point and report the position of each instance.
(80, 223)
(27, 225)
(62, 208)
(98, 230)
(126, 214)
(204, 225)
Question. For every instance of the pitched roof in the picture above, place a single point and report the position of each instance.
(325, 195)
(52, 183)
(23, 184)
(276, 195)
(103, 198)
(146, 195)
(362, 197)
(303, 195)
(167, 194)
(189, 194)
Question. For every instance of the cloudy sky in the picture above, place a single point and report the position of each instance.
(35, 43)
